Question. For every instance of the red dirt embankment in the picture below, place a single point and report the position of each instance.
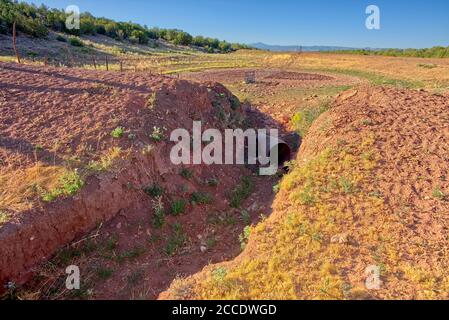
(64, 117)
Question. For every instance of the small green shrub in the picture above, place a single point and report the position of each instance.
(70, 184)
(438, 194)
(302, 121)
(157, 135)
(176, 240)
(212, 182)
(186, 173)
(104, 273)
(76, 42)
(3, 217)
(131, 254)
(244, 237)
(154, 190)
(306, 196)
(159, 213)
(118, 132)
(219, 274)
(200, 198)
(246, 217)
(178, 207)
(241, 192)
(61, 38)
(235, 103)
(135, 277)
(346, 185)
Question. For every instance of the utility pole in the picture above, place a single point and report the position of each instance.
(14, 41)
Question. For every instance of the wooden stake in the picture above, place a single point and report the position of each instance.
(121, 66)
(107, 64)
(14, 40)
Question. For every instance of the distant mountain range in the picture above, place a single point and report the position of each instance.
(264, 46)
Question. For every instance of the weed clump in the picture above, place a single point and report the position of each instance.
(200, 198)
(154, 190)
(69, 184)
(178, 207)
(302, 121)
(176, 240)
(241, 192)
(186, 173)
(438, 194)
(76, 42)
(244, 237)
(159, 213)
(118, 132)
(157, 135)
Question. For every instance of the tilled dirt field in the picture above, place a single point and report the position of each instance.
(273, 77)
(278, 92)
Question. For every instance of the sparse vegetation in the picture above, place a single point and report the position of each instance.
(176, 240)
(302, 121)
(131, 254)
(61, 38)
(244, 237)
(104, 273)
(151, 102)
(438, 194)
(147, 150)
(427, 65)
(157, 135)
(154, 190)
(106, 161)
(3, 217)
(118, 132)
(69, 184)
(212, 182)
(186, 173)
(246, 217)
(76, 42)
(241, 192)
(135, 277)
(178, 207)
(158, 213)
(200, 198)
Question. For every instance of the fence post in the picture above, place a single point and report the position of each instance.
(121, 66)
(107, 63)
(14, 40)
(95, 62)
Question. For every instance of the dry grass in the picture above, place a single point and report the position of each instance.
(19, 188)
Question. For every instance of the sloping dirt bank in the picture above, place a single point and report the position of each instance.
(362, 215)
(110, 131)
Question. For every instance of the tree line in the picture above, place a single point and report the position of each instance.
(435, 52)
(36, 21)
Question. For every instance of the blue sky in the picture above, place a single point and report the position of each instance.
(404, 23)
